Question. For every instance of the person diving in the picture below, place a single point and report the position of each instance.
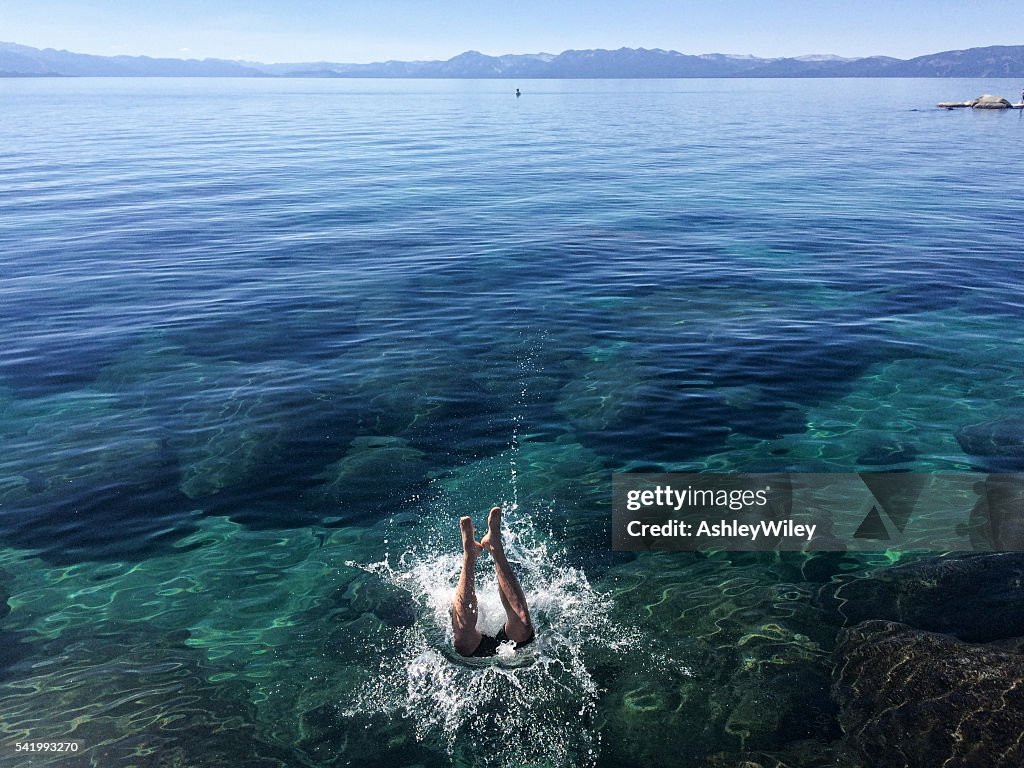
(469, 641)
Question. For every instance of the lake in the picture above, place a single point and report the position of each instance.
(265, 341)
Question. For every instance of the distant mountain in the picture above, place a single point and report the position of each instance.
(822, 57)
(874, 66)
(22, 60)
(993, 61)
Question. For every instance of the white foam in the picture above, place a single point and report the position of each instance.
(529, 706)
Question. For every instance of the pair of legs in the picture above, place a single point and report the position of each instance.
(464, 612)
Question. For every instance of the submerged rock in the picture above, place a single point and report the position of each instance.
(364, 739)
(222, 420)
(884, 453)
(911, 699)
(977, 598)
(85, 478)
(999, 442)
(811, 753)
(374, 476)
(662, 719)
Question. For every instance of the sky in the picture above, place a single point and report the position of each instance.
(354, 31)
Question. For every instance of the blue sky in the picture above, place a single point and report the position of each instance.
(373, 30)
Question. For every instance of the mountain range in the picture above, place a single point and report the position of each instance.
(992, 61)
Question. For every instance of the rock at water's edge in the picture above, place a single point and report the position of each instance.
(911, 699)
(988, 101)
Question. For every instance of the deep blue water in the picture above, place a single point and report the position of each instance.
(254, 331)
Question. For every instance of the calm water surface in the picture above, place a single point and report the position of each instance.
(265, 341)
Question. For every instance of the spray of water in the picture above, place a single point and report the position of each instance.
(527, 364)
(534, 706)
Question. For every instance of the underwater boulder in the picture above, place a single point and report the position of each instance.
(999, 442)
(810, 753)
(328, 731)
(912, 699)
(85, 478)
(977, 598)
(222, 420)
(375, 474)
(886, 453)
(695, 715)
(661, 720)
(420, 386)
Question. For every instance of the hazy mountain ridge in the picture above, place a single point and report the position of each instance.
(21, 59)
(991, 61)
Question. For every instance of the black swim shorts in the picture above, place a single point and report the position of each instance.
(489, 645)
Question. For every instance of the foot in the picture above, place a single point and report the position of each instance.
(470, 547)
(492, 541)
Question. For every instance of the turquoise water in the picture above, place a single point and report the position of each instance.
(265, 342)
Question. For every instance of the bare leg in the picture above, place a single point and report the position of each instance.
(464, 610)
(517, 616)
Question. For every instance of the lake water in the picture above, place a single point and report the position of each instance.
(264, 341)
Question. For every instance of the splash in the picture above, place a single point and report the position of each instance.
(527, 366)
(535, 706)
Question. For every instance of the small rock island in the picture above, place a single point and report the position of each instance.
(988, 101)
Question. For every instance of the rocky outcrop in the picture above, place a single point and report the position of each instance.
(988, 101)
(913, 699)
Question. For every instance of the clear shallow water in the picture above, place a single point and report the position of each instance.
(262, 337)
